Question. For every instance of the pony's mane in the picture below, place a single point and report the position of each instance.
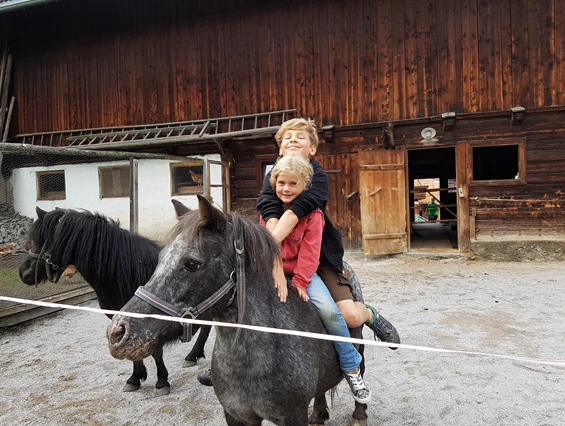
(40, 229)
(260, 247)
(101, 249)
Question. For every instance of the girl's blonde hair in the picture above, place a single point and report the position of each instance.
(297, 165)
(298, 124)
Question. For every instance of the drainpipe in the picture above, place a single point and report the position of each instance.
(12, 6)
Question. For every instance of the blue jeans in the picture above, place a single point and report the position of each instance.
(349, 358)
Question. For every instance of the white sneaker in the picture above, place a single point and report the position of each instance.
(359, 389)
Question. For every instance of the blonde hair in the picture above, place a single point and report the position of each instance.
(299, 124)
(297, 165)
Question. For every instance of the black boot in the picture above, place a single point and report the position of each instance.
(205, 377)
(383, 329)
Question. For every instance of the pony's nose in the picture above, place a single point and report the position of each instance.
(27, 277)
(116, 333)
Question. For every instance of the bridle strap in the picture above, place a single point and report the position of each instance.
(193, 312)
(240, 268)
(46, 257)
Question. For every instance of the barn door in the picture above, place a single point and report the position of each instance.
(382, 187)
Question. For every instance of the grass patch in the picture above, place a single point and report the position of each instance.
(9, 280)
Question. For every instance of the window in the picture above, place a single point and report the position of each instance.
(263, 163)
(187, 178)
(114, 182)
(498, 162)
(51, 185)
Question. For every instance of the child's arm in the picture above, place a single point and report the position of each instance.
(278, 273)
(315, 197)
(268, 204)
(308, 258)
(282, 227)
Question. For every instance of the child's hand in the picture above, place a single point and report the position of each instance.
(280, 282)
(303, 294)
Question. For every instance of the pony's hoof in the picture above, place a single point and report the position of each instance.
(358, 422)
(188, 363)
(316, 420)
(130, 388)
(165, 390)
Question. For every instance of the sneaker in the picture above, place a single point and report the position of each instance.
(383, 329)
(359, 389)
(205, 377)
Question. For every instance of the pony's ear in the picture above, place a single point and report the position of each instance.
(40, 212)
(210, 217)
(180, 208)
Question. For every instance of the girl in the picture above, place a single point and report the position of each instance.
(300, 252)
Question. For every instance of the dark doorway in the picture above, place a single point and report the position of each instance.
(432, 200)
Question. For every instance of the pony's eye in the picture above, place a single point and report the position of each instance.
(191, 265)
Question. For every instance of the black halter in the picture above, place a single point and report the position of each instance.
(46, 257)
(195, 311)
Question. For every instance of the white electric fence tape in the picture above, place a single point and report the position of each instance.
(559, 362)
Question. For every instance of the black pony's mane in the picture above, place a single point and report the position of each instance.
(110, 258)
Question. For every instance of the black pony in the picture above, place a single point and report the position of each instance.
(220, 267)
(115, 262)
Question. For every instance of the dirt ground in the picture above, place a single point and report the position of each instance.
(56, 370)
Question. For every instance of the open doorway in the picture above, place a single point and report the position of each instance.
(432, 200)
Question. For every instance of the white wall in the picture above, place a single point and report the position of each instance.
(156, 212)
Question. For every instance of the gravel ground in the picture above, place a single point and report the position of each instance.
(56, 370)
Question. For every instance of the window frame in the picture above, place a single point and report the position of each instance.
(190, 189)
(102, 170)
(54, 195)
(261, 163)
(520, 142)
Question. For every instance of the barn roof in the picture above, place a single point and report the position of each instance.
(12, 5)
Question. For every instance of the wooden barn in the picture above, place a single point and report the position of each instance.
(469, 94)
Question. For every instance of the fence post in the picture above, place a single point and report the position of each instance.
(133, 200)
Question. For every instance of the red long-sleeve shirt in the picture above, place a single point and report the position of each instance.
(300, 251)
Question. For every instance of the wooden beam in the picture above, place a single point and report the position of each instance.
(5, 85)
(463, 221)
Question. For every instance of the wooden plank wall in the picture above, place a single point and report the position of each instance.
(110, 63)
(534, 209)
(344, 209)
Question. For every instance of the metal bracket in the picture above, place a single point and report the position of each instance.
(517, 115)
(448, 120)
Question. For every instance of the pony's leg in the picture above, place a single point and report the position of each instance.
(162, 387)
(198, 348)
(233, 422)
(139, 374)
(320, 411)
(359, 415)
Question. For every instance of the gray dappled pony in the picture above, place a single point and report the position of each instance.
(256, 375)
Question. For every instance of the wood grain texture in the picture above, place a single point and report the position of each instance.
(344, 63)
